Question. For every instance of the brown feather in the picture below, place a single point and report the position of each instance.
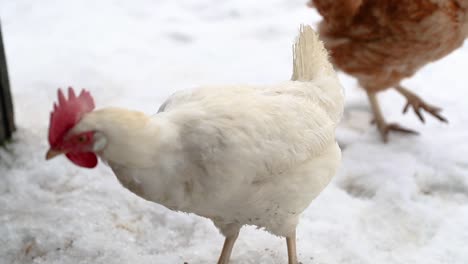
(381, 42)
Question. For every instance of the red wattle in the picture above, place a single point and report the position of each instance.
(85, 159)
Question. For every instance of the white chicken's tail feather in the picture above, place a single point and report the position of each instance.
(311, 64)
(310, 58)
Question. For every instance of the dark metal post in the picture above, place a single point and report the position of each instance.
(7, 125)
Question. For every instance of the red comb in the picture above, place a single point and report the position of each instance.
(68, 113)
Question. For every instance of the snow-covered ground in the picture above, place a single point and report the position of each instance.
(404, 202)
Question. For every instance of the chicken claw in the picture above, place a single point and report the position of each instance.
(386, 128)
(417, 104)
(379, 120)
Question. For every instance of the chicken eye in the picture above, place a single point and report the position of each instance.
(82, 139)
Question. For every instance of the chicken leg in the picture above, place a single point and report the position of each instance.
(227, 248)
(379, 120)
(291, 244)
(417, 104)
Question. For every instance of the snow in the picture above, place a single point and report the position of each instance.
(403, 202)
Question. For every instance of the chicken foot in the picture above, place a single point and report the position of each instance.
(379, 120)
(417, 104)
(230, 240)
(227, 248)
(291, 244)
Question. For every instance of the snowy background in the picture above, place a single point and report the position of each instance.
(403, 202)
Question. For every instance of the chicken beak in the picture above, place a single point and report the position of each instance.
(53, 153)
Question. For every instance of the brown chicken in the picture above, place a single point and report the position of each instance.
(381, 42)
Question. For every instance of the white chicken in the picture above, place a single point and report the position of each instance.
(238, 155)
